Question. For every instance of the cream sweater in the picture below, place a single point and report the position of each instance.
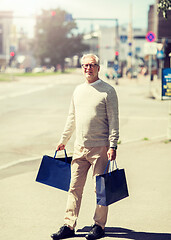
(94, 114)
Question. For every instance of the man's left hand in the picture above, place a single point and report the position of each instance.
(111, 153)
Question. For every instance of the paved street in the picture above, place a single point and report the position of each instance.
(33, 113)
(32, 116)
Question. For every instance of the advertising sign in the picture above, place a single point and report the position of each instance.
(166, 84)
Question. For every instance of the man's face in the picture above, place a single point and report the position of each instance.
(90, 69)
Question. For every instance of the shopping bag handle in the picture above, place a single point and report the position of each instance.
(109, 164)
(65, 155)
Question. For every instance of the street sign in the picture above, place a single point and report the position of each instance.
(159, 46)
(123, 38)
(150, 48)
(166, 84)
(150, 36)
(160, 54)
(68, 17)
(12, 48)
(116, 67)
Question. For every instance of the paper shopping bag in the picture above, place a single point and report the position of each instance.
(111, 187)
(55, 172)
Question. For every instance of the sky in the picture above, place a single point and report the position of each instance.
(88, 9)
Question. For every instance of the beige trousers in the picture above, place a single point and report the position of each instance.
(83, 159)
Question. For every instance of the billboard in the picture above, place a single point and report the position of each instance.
(166, 84)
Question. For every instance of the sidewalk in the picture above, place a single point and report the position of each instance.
(153, 87)
(31, 211)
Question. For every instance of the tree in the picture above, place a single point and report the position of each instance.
(164, 6)
(55, 38)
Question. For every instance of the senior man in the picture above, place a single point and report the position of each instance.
(94, 114)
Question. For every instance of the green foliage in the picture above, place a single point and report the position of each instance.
(12, 76)
(145, 139)
(167, 141)
(55, 38)
(6, 77)
(164, 6)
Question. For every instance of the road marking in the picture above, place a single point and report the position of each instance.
(141, 139)
(42, 88)
(11, 164)
(143, 118)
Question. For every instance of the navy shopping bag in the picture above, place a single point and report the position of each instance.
(55, 172)
(111, 186)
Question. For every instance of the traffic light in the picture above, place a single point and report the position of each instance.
(53, 13)
(12, 57)
(12, 54)
(117, 55)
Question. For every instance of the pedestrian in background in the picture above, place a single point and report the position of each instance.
(94, 114)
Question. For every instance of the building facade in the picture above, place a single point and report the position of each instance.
(5, 36)
(162, 29)
(105, 43)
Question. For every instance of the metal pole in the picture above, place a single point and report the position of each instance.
(150, 65)
(117, 36)
(116, 49)
(169, 123)
(130, 41)
(169, 120)
(149, 68)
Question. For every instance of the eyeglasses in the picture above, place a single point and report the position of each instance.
(89, 65)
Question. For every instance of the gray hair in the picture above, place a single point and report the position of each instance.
(90, 55)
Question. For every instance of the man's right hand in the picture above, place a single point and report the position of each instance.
(60, 147)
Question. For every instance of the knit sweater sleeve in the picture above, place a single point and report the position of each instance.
(70, 124)
(113, 119)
